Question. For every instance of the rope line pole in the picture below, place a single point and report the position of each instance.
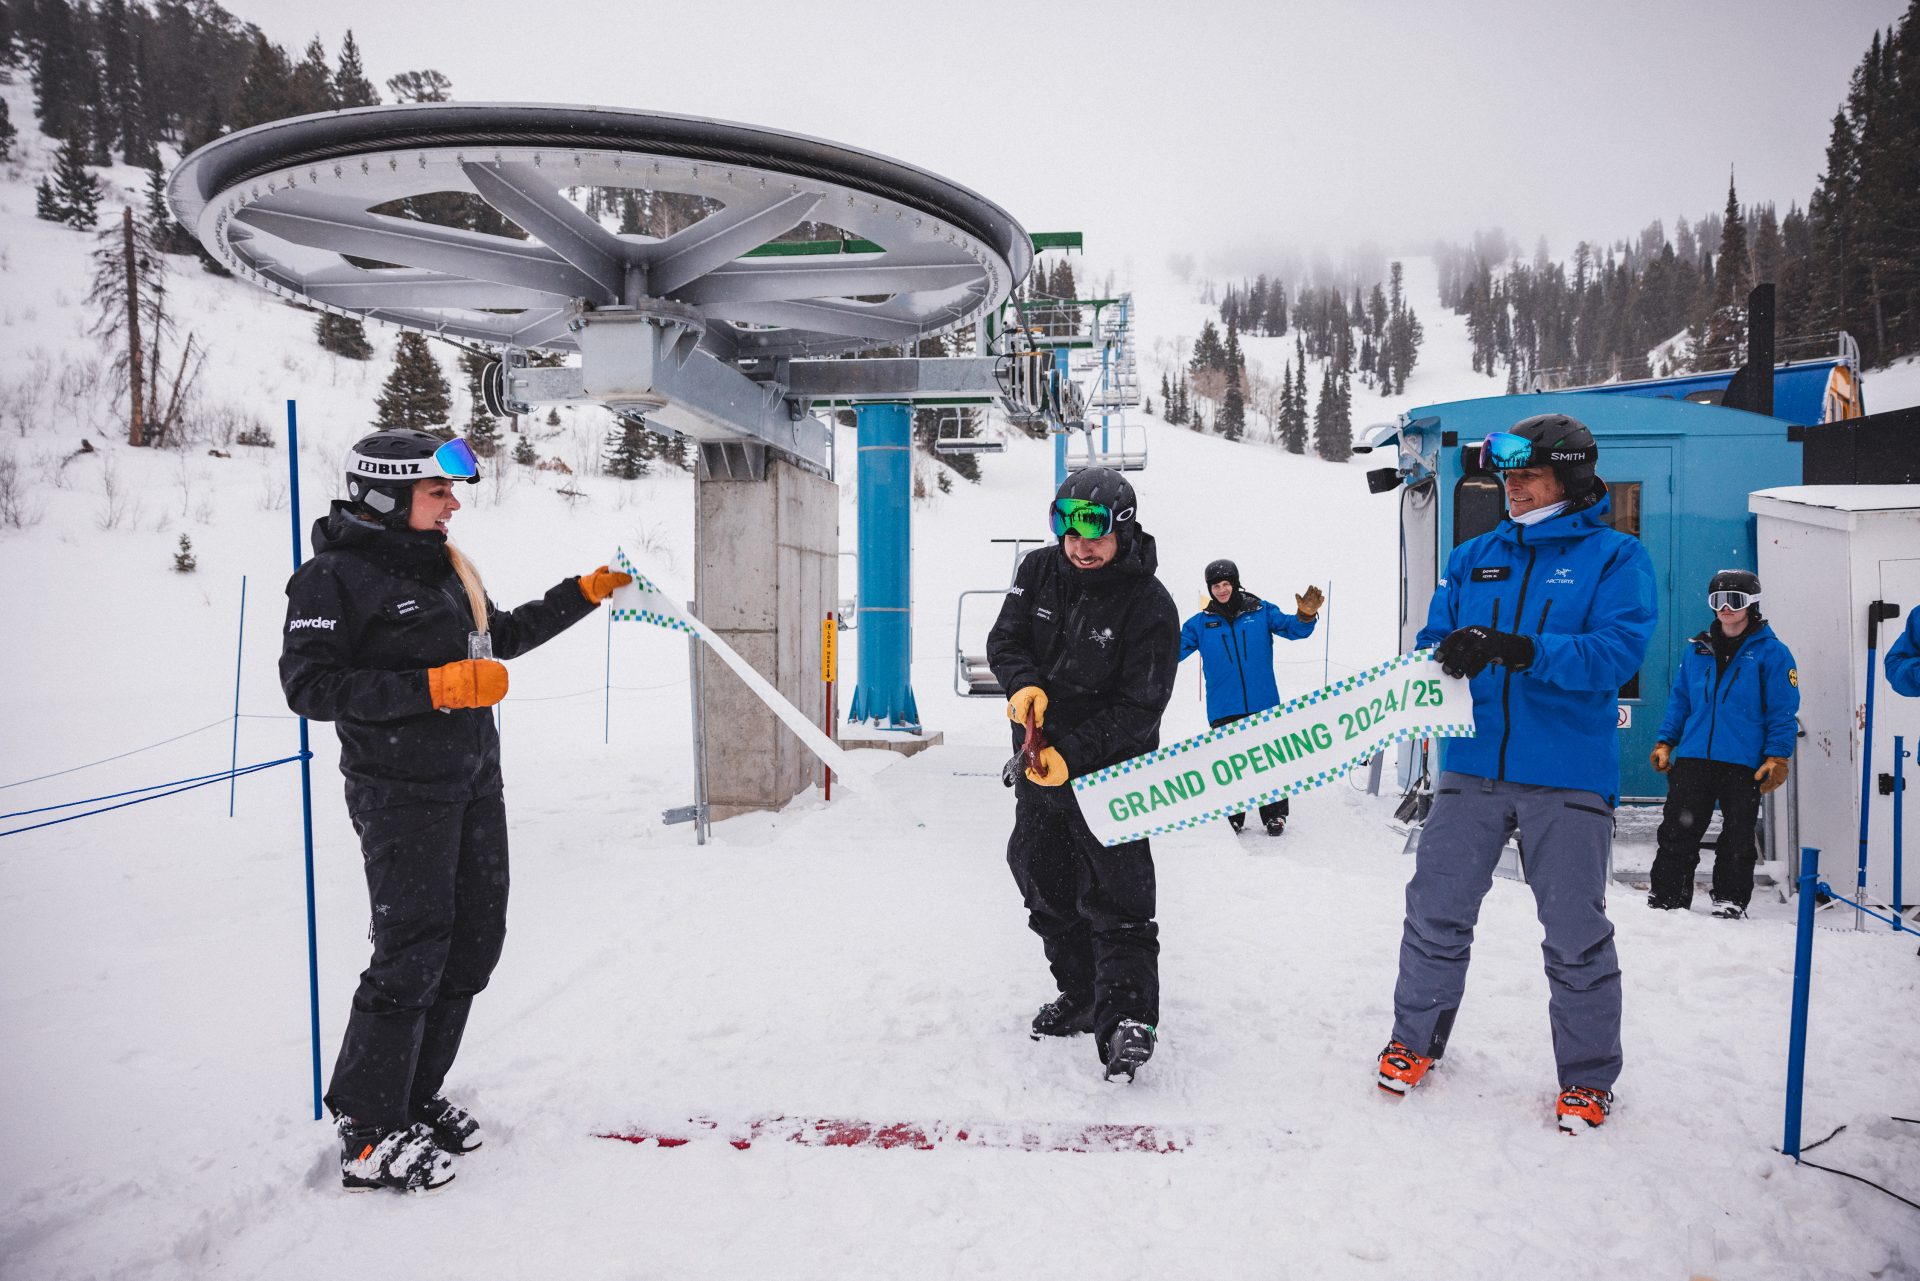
(606, 687)
(1326, 638)
(239, 648)
(306, 779)
(1802, 991)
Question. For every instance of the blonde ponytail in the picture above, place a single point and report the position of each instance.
(470, 579)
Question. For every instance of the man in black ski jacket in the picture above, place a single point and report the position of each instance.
(1088, 643)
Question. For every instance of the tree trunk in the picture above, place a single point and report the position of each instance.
(136, 429)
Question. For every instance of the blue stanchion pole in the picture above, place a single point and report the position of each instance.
(1899, 854)
(306, 778)
(1876, 610)
(1802, 991)
(884, 692)
(1062, 361)
(239, 648)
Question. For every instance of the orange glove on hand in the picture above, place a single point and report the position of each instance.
(471, 682)
(1772, 773)
(1661, 757)
(1052, 769)
(1307, 604)
(602, 583)
(1024, 698)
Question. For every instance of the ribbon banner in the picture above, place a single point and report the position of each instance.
(1300, 745)
(642, 601)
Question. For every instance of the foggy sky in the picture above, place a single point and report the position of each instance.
(1230, 131)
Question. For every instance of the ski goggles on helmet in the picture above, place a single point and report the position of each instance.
(452, 461)
(1718, 601)
(1083, 517)
(1508, 451)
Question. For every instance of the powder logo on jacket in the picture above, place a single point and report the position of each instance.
(323, 624)
(402, 608)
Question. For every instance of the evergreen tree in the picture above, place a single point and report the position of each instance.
(1333, 419)
(1166, 393)
(416, 392)
(1232, 418)
(351, 88)
(1293, 411)
(1232, 360)
(421, 86)
(59, 76)
(71, 194)
(123, 106)
(343, 336)
(626, 453)
(524, 453)
(310, 84)
(184, 561)
(483, 434)
(7, 133)
(1726, 322)
(265, 93)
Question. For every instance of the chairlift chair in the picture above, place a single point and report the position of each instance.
(957, 430)
(1117, 444)
(972, 675)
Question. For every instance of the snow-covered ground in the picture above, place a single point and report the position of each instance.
(864, 959)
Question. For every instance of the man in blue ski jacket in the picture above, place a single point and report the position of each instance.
(1548, 616)
(1726, 740)
(1234, 637)
(1903, 658)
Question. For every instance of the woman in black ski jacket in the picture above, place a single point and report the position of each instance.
(390, 636)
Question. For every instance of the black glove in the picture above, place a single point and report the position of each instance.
(1467, 651)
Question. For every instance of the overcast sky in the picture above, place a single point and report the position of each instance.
(1224, 130)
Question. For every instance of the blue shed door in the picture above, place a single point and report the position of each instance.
(1640, 478)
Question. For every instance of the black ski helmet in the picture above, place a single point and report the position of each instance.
(1107, 487)
(381, 469)
(1223, 571)
(1737, 580)
(1564, 444)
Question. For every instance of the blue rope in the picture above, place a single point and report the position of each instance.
(185, 785)
(114, 796)
(1896, 922)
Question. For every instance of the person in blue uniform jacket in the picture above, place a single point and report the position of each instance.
(1903, 658)
(1726, 740)
(1547, 616)
(1234, 637)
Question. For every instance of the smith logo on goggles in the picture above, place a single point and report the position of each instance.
(1505, 451)
(1083, 517)
(1718, 601)
(452, 461)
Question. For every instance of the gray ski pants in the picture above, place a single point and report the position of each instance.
(1565, 838)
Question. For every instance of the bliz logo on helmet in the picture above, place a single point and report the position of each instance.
(369, 467)
(323, 624)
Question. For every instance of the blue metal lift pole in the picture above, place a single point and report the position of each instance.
(306, 778)
(1802, 998)
(884, 693)
(1062, 356)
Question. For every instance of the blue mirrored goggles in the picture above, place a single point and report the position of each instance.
(455, 460)
(1718, 601)
(1504, 451)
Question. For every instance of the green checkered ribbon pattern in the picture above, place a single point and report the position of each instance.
(653, 606)
(1326, 734)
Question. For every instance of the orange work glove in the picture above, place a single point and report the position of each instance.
(1028, 697)
(1772, 773)
(1661, 757)
(1051, 770)
(1307, 604)
(602, 583)
(471, 682)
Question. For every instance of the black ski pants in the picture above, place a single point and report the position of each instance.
(1272, 809)
(1091, 906)
(437, 881)
(1694, 787)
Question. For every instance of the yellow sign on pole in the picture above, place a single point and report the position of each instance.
(829, 656)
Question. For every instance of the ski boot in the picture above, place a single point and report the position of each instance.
(1661, 903)
(1727, 910)
(406, 1160)
(1581, 1108)
(1400, 1069)
(1064, 1016)
(1130, 1045)
(454, 1129)
(1275, 826)
(1238, 822)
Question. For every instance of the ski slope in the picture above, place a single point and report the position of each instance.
(863, 960)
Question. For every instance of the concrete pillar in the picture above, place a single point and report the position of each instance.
(767, 563)
(885, 692)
